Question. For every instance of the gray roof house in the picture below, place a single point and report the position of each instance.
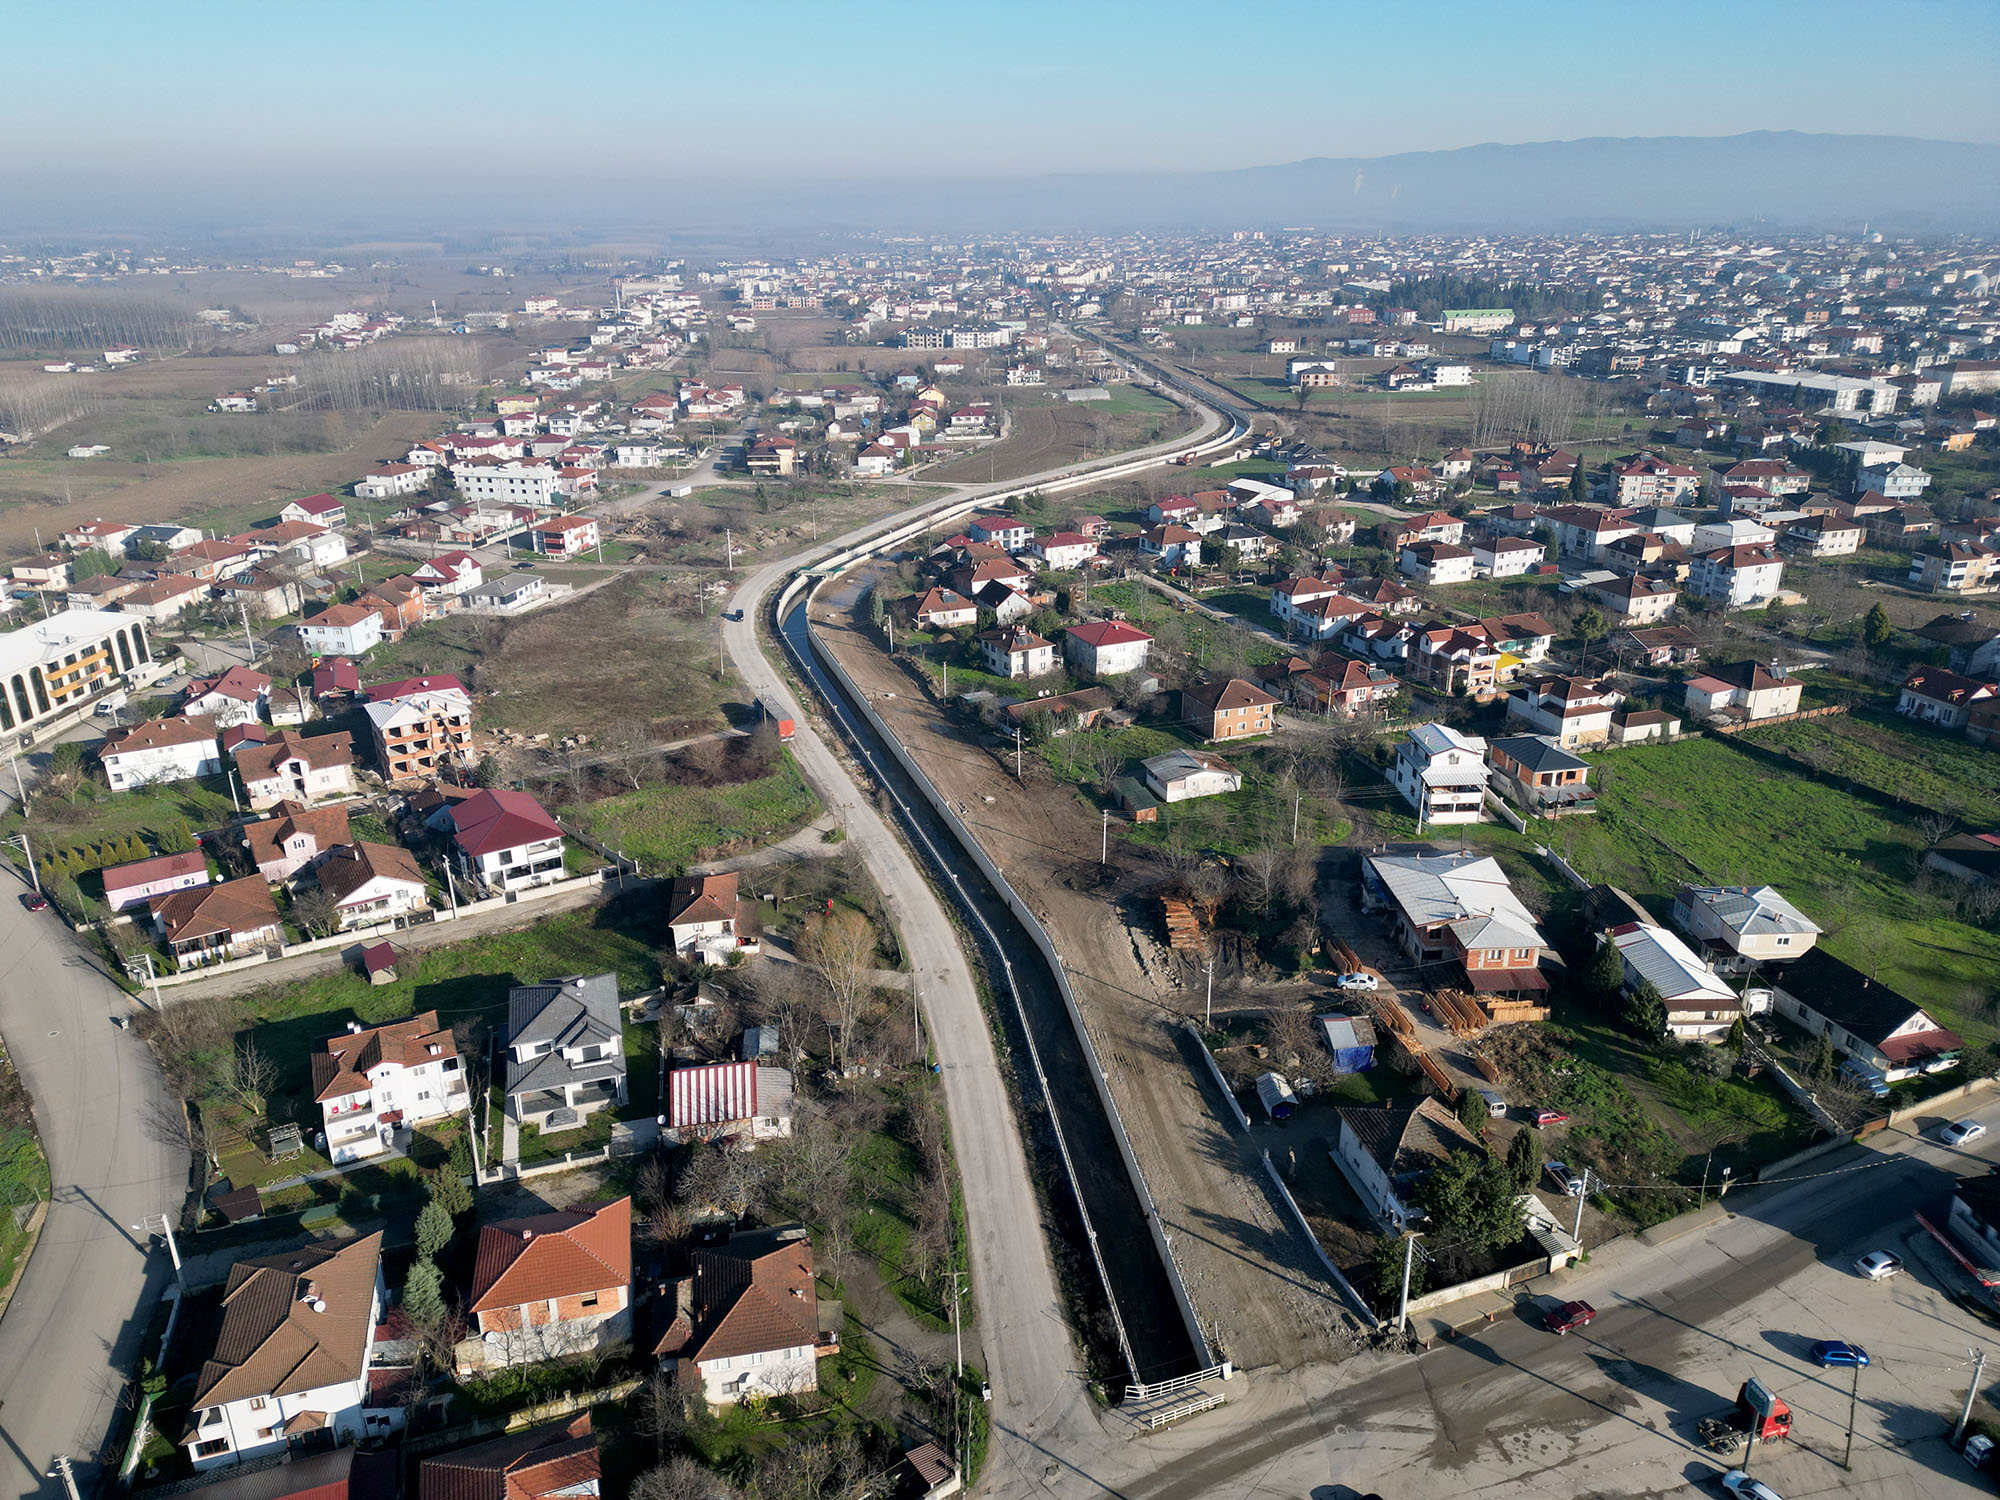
(565, 1050)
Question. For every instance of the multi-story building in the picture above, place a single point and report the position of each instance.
(1106, 648)
(371, 1081)
(1954, 568)
(52, 666)
(1442, 774)
(292, 768)
(419, 724)
(513, 483)
(1736, 577)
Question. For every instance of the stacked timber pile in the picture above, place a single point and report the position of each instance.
(1183, 927)
(1345, 959)
(1505, 1011)
(1459, 1011)
(1393, 1016)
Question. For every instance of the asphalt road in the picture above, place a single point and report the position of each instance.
(71, 1334)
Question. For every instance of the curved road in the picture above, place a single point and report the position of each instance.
(1041, 1409)
(70, 1337)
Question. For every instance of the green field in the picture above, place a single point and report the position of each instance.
(1704, 811)
(667, 827)
(1923, 768)
(98, 814)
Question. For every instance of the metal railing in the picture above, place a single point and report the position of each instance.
(1145, 1390)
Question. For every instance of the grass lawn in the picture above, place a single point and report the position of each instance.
(24, 1180)
(1705, 811)
(1922, 768)
(667, 827)
(99, 813)
(1128, 400)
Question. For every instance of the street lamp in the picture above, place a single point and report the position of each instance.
(162, 1225)
(20, 841)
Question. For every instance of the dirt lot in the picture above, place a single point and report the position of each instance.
(1254, 1280)
(1047, 433)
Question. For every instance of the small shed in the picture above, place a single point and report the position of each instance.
(378, 963)
(237, 1205)
(1277, 1096)
(1351, 1040)
(1136, 800)
(931, 1474)
(759, 1042)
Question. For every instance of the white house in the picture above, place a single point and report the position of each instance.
(1014, 651)
(745, 1324)
(1442, 774)
(370, 1081)
(161, 750)
(392, 481)
(1572, 711)
(341, 630)
(1386, 1153)
(1183, 775)
(1736, 577)
(136, 883)
(1502, 556)
(291, 1354)
(372, 882)
(1106, 648)
(513, 483)
(746, 1101)
(453, 573)
(1739, 926)
(506, 839)
(1065, 551)
(1700, 1007)
(294, 768)
(238, 696)
(702, 915)
(1436, 563)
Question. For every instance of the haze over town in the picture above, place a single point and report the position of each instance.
(1029, 751)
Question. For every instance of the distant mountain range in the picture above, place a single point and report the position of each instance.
(1773, 179)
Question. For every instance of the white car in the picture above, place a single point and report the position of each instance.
(1739, 1483)
(1961, 1132)
(1359, 981)
(1878, 1265)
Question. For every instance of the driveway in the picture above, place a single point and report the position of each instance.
(71, 1335)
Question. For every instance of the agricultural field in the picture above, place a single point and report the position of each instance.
(666, 827)
(1909, 764)
(1047, 434)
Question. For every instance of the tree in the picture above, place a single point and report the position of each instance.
(1876, 630)
(434, 1229)
(174, 838)
(423, 1294)
(448, 1190)
(316, 911)
(1645, 1014)
(1823, 1060)
(68, 770)
(663, 1411)
(1521, 1155)
(1579, 487)
(1472, 1111)
(1473, 1205)
(1738, 1037)
(1607, 973)
(1590, 627)
(251, 1075)
(840, 947)
(1385, 1270)
(94, 562)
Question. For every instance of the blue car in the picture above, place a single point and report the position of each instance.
(1834, 1352)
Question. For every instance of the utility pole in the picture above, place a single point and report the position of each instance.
(1208, 1006)
(1409, 1260)
(249, 642)
(728, 550)
(1104, 846)
(1577, 1233)
(21, 838)
(958, 1376)
(20, 791)
(66, 1475)
(1298, 797)
(1017, 752)
(1853, 1400)
(1964, 1416)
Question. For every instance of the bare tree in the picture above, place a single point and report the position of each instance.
(316, 911)
(1936, 827)
(663, 1411)
(250, 1080)
(840, 947)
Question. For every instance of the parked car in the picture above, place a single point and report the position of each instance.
(1359, 981)
(1961, 1132)
(1828, 1352)
(34, 901)
(1565, 1179)
(732, 614)
(1546, 1117)
(1739, 1483)
(1568, 1316)
(1878, 1265)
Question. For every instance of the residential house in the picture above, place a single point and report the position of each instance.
(1441, 773)
(1650, 480)
(419, 725)
(370, 1081)
(1432, 526)
(509, 594)
(564, 536)
(391, 481)
(1065, 551)
(554, 1461)
(1436, 563)
(505, 839)
(1743, 692)
(289, 1364)
(1173, 546)
(140, 880)
(108, 537)
(1584, 531)
(1229, 710)
(451, 573)
(1699, 1006)
(1933, 695)
(1342, 685)
(745, 1102)
(1884, 1032)
(1106, 648)
(1822, 536)
(1739, 927)
(1455, 660)
(283, 845)
(1972, 644)
(321, 509)
(1183, 775)
(553, 1284)
(293, 768)
(1533, 771)
(162, 600)
(1003, 532)
(1014, 651)
(1386, 1153)
(1573, 711)
(1503, 556)
(1635, 599)
(160, 750)
(1893, 481)
(943, 609)
(703, 914)
(1666, 646)
(1954, 568)
(371, 882)
(213, 922)
(341, 630)
(1458, 909)
(237, 696)
(745, 1323)
(1736, 577)
(565, 1050)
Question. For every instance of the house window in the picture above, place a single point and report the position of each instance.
(257, 1403)
(588, 1299)
(211, 1448)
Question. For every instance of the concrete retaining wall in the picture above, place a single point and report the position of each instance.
(1938, 1101)
(1785, 1164)
(1304, 1228)
(1221, 1084)
(1498, 1281)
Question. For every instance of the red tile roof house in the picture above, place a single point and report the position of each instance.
(745, 1325)
(702, 914)
(140, 881)
(368, 1081)
(1106, 648)
(538, 1463)
(746, 1102)
(507, 840)
(285, 843)
(213, 922)
(564, 536)
(292, 768)
(554, 1284)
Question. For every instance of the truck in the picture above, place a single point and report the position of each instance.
(786, 728)
(1757, 1417)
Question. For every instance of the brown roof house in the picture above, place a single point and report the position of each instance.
(703, 913)
(538, 1463)
(282, 845)
(372, 882)
(290, 767)
(553, 1284)
(214, 922)
(1231, 710)
(1385, 1153)
(746, 1323)
(289, 1366)
(368, 1081)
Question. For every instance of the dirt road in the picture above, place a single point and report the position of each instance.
(1259, 1290)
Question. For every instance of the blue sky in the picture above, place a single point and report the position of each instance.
(357, 88)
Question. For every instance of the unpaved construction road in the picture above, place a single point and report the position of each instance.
(1262, 1296)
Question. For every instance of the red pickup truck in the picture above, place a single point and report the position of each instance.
(1569, 1316)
